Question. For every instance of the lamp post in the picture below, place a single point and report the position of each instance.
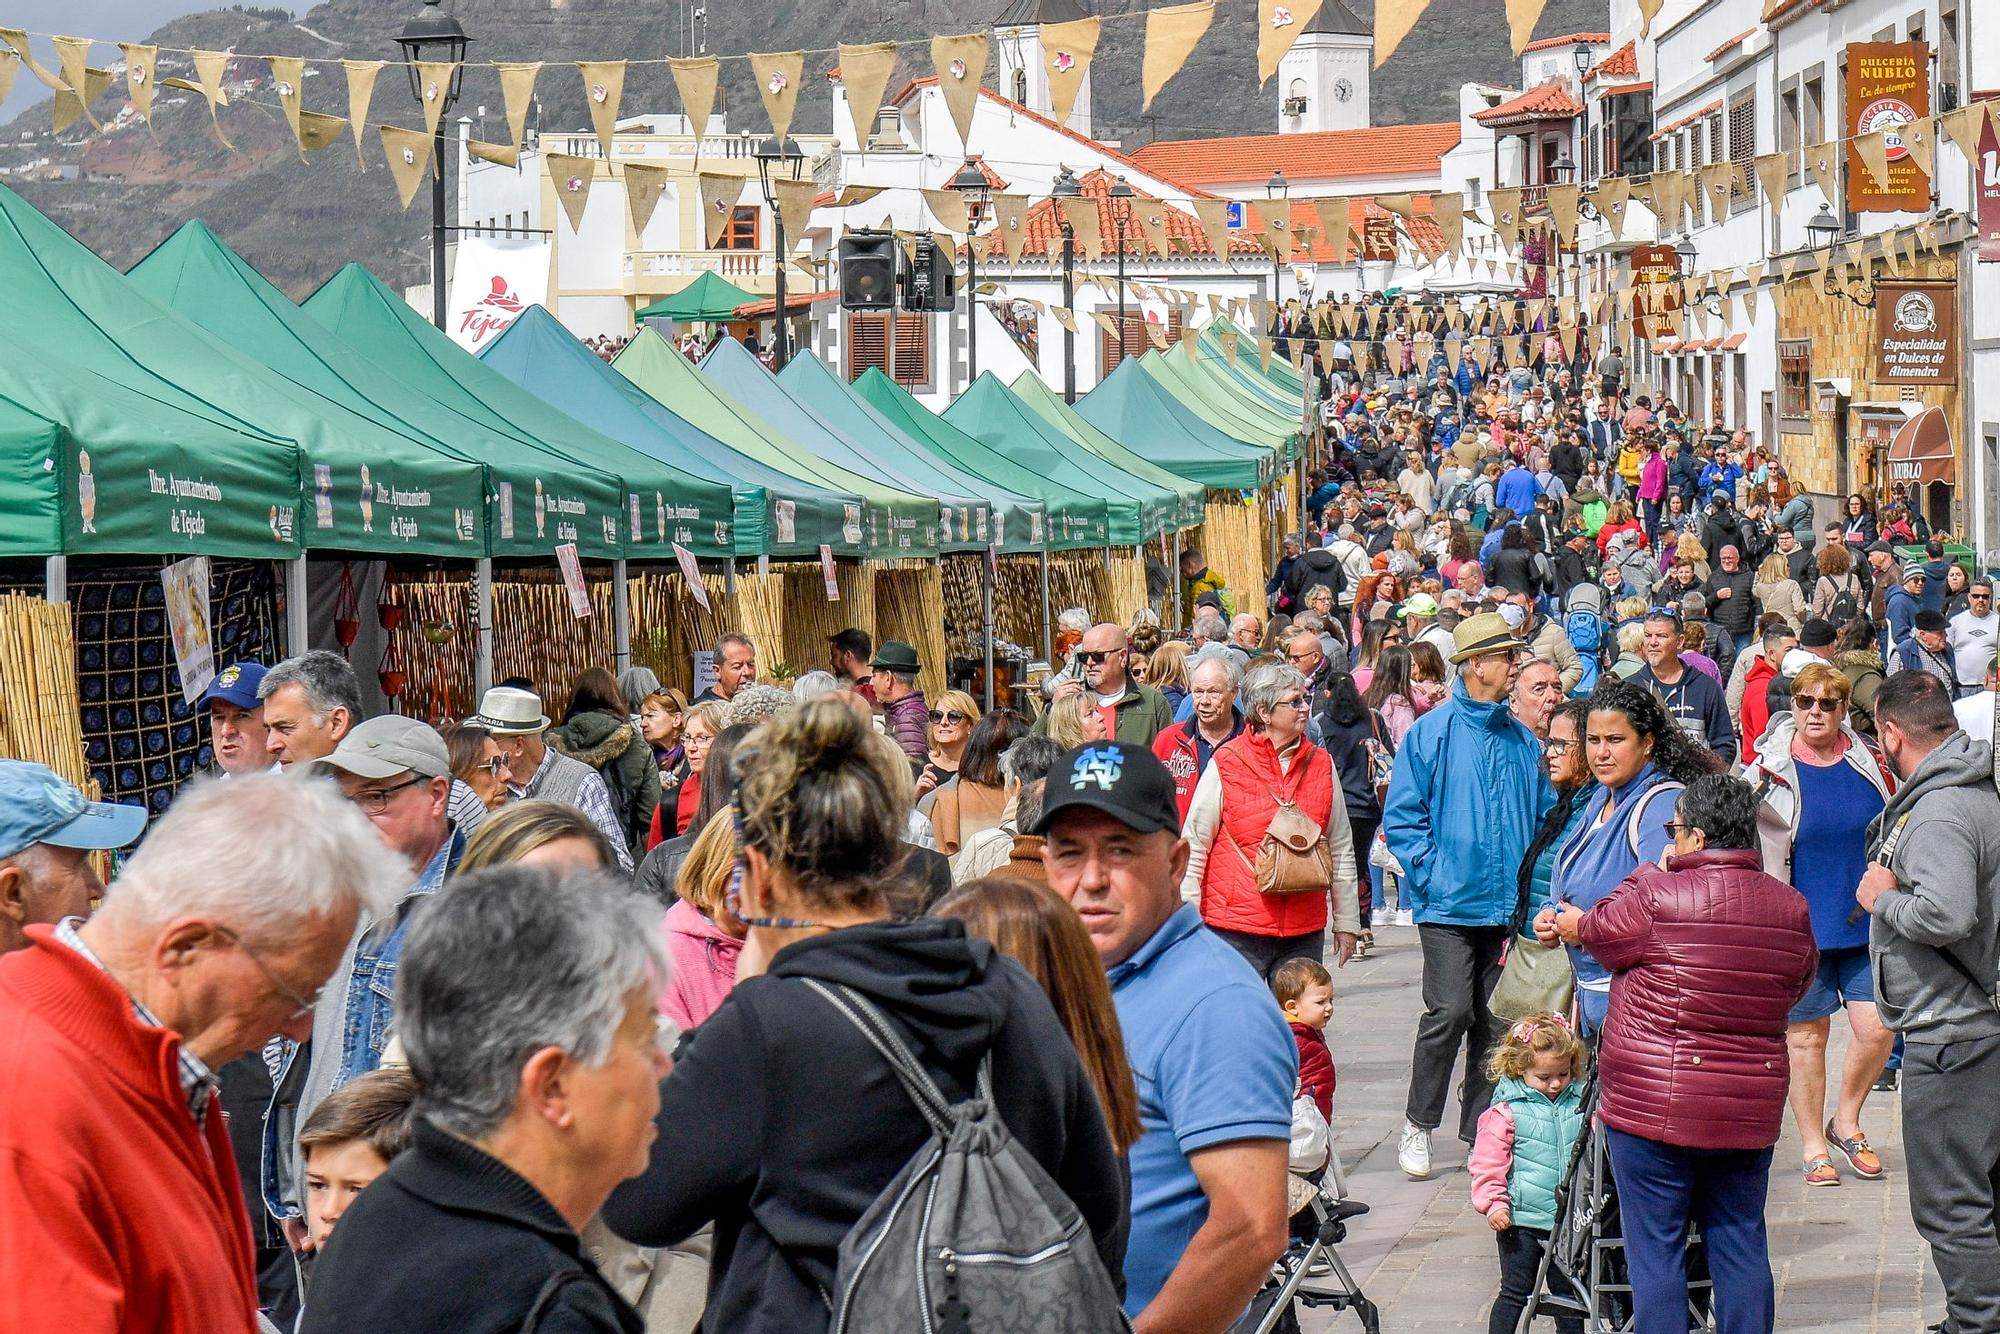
(784, 159)
(1823, 233)
(1564, 170)
(1066, 186)
(433, 36)
(1277, 188)
(1120, 190)
(970, 182)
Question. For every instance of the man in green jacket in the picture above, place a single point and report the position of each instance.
(1132, 713)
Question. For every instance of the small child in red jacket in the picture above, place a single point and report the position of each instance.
(1305, 992)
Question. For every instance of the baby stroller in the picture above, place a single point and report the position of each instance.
(1586, 1249)
(1271, 1311)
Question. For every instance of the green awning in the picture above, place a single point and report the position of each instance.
(1134, 409)
(665, 504)
(1281, 378)
(776, 513)
(709, 299)
(1189, 495)
(1136, 510)
(1001, 517)
(536, 500)
(874, 525)
(1221, 406)
(1072, 517)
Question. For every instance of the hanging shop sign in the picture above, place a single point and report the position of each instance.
(1916, 333)
(1888, 86)
(1986, 184)
(1656, 290)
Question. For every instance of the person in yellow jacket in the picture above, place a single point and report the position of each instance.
(1631, 460)
(1199, 579)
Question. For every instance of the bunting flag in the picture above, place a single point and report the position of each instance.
(73, 57)
(864, 73)
(1010, 224)
(1067, 49)
(1821, 162)
(434, 82)
(409, 153)
(517, 94)
(948, 208)
(1279, 24)
(500, 155)
(644, 184)
(1393, 21)
(1754, 276)
(1715, 183)
(10, 65)
(17, 39)
(140, 60)
(1962, 127)
(1152, 216)
(74, 102)
(1400, 205)
(1171, 33)
(360, 92)
(1227, 337)
(1648, 11)
(1873, 150)
(1773, 170)
(1081, 214)
(795, 205)
(695, 78)
(1505, 208)
(288, 75)
(856, 194)
(960, 63)
(1563, 200)
(318, 130)
(1448, 211)
(718, 202)
(1920, 138)
(1065, 317)
(572, 177)
(778, 75)
(1214, 217)
(1522, 15)
(1927, 233)
(603, 88)
(1264, 346)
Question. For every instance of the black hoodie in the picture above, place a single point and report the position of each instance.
(781, 1125)
(1317, 568)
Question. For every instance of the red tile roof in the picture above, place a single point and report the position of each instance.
(1734, 341)
(994, 181)
(1421, 230)
(1572, 39)
(1624, 89)
(763, 310)
(1044, 224)
(1547, 101)
(1620, 64)
(1689, 119)
(1386, 150)
(1729, 45)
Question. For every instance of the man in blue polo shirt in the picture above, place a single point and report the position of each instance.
(1214, 1062)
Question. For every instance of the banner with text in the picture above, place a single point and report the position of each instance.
(1916, 333)
(1888, 86)
(492, 282)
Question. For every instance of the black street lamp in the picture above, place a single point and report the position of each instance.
(1066, 186)
(1120, 190)
(971, 183)
(783, 160)
(1823, 233)
(1276, 188)
(433, 36)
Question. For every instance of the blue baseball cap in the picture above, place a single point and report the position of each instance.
(236, 684)
(37, 806)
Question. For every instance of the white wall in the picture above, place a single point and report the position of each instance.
(1315, 65)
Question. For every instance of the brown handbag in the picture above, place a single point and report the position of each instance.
(1295, 855)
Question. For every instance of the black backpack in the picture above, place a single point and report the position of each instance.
(1845, 607)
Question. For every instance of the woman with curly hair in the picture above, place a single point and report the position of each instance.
(1640, 757)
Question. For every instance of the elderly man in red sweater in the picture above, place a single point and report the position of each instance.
(117, 1184)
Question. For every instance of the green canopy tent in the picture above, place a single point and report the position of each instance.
(1221, 406)
(1133, 409)
(876, 524)
(1047, 404)
(367, 489)
(666, 504)
(1285, 383)
(1071, 518)
(776, 514)
(709, 299)
(538, 500)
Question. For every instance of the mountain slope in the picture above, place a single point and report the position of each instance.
(299, 221)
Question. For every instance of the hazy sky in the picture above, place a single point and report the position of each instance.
(112, 20)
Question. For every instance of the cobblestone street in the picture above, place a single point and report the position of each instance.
(1846, 1259)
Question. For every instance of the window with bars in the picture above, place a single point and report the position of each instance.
(1795, 386)
(1743, 150)
(741, 233)
(867, 345)
(1138, 341)
(1630, 118)
(1718, 147)
(1790, 139)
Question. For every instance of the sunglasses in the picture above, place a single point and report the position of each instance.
(1092, 657)
(1818, 703)
(947, 717)
(1675, 828)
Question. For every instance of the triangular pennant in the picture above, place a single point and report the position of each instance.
(1873, 151)
(1214, 217)
(17, 39)
(1927, 233)
(288, 75)
(1963, 126)
(360, 92)
(317, 130)
(140, 60)
(1152, 216)
(1714, 181)
(10, 65)
(517, 95)
(1773, 170)
(1400, 205)
(572, 176)
(1171, 34)
(795, 205)
(1264, 346)
(1448, 211)
(1820, 162)
(851, 195)
(1067, 49)
(603, 89)
(1648, 11)
(960, 65)
(434, 86)
(778, 75)
(948, 208)
(644, 184)
(501, 155)
(1080, 211)
(864, 74)
(1279, 24)
(1522, 16)
(409, 152)
(1010, 224)
(1563, 201)
(1920, 138)
(695, 79)
(71, 103)
(1393, 21)
(1505, 208)
(1064, 316)
(718, 203)
(73, 58)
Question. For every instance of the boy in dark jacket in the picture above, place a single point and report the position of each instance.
(1305, 992)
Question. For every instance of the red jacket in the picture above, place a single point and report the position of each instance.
(1708, 957)
(1315, 1067)
(1175, 747)
(1251, 785)
(1756, 703)
(119, 1214)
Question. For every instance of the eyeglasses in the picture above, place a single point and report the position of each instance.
(375, 800)
(947, 717)
(1554, 747)
(1818, 703)
(304, 1004)
(495, 766)
(1675, 828)
(1091, 657)
(1980, 597)
(1290, 702)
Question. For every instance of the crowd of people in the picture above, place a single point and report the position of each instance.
(652, 1012)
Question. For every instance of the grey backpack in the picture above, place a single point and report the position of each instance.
(972, 1235)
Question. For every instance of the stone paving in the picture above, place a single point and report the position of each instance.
(1846, 1259)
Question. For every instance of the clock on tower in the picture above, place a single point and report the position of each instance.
(1342, 90)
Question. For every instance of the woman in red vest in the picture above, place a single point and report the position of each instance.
(1271, 767)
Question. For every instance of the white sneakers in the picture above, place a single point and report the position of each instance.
(1414, 1153)
(1406, 917)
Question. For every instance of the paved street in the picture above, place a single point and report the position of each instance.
(1846, 1259)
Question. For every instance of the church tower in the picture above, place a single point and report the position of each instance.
(1024, 75)
(1322, 81)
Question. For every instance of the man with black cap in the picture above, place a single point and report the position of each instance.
(236, 720)
(1467, 796)
(1928, 649)
(1215, 1064)
(905, 716)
